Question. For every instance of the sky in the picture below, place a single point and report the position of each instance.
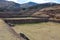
(37, 1)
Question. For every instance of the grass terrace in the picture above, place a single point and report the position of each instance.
(40, 31)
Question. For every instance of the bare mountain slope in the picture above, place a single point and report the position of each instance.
(33, 9)
(12, 9)
(51, 11)
(9, 6)
(29, 4)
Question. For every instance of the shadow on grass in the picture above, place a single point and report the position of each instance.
(28, 23)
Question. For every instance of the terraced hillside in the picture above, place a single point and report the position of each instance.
(40, 31)
(50, 11)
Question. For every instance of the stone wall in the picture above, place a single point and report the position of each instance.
(26, 21)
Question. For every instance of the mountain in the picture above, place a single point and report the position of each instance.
(31, 10)
(29, 4)
(18, 10)
(53, 12)
(43, 5)
(9, 6)
(2, 0)
(46, 7)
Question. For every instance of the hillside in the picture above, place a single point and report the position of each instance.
(9, 6)
(29, 4)
(9, 9)
(33, 9)
(52, 12)
(6, 33)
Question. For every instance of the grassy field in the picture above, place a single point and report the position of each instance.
(40, 31)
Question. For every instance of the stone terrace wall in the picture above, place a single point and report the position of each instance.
(27, 21)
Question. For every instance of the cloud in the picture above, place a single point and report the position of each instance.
(37, 1)
(14, 0)
(41, 1)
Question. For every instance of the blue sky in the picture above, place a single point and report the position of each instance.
(37, 1)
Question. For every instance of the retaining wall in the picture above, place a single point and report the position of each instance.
(26, 21)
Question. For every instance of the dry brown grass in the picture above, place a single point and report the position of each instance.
(40, 31)
(6, 33)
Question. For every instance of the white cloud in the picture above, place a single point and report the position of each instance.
(14, 0)
(37, 1)
(41, 1)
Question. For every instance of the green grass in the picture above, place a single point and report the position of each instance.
(40, 31)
